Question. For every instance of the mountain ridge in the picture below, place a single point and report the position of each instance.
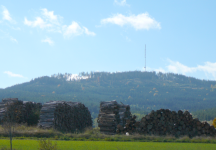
(143, 91)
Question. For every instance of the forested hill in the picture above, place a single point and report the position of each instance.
(143, 91)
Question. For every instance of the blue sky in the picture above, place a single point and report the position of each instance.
(48, 37)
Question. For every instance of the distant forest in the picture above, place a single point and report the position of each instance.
(143, 91)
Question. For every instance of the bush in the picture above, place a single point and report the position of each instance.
(214, 122)
(47, 145)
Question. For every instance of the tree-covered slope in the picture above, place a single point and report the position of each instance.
(144, 91)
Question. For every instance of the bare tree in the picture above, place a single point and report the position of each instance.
(13, 114)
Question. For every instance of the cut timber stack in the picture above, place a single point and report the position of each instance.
(22, 111)
(72, 116)
(2, 111)
(124, 113)
(47, 114)
(129, 127)
(108, 117)
(166, 122)
(13, 108)
(65, 116)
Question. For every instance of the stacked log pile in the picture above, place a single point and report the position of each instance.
(124, 114)
(47, 114)
(2, 111)
(21, 111)
(130, 126)
(11, 109)
(166, 122)
(72, 116)
(65, 116)
(108, 117)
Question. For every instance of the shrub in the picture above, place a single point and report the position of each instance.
(47, 145)
(214, 122)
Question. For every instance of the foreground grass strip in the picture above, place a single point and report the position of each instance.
(105, 145)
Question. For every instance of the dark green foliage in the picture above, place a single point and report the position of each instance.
(143, 91)
(32, 113)
(33, 118)
(205, 114)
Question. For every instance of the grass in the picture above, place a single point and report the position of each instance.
(106, 145)
(25, 133)
(30, 131)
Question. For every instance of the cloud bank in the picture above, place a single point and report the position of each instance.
(209, 69)
(138, 22)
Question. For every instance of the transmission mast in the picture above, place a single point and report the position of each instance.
(145, 57)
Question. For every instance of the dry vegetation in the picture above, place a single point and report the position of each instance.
(25, 132)
(30, 131)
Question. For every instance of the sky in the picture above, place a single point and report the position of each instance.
(42, 38)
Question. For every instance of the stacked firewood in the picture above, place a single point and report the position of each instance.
(166, 122)
(108, 117)
(65, 116)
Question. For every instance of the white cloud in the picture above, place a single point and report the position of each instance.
(141, 21)
(73, 29)
(177, 67)
(121, 3)
(13, 75)
(52, 23)
(208, 69)
(6, 15)
(160, 70)
(48, 40)
(49, 15)
(88, 32)
(38, 22)
(13, 40)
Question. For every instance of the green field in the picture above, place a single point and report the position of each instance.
(103, 145)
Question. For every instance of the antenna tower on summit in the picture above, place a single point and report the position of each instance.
(145, 57)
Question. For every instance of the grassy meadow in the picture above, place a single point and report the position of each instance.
(106, 145)
(26, 138)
